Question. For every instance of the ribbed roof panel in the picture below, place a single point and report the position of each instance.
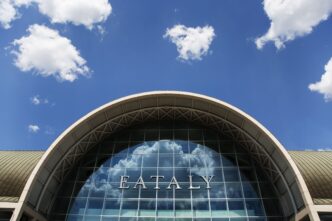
(316, 169)
(15, 168)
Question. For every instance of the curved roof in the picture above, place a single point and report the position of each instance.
(15, 169)
(315, 167)
(42, 186)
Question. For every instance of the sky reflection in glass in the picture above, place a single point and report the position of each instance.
(235, 190)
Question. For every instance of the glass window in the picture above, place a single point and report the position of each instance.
(250, 190)
(218, 175)
(181, 160)
(149, 191)
(201, 193)
(254, 208)
(183, 208)
(201, 208)
(129, 208)
(198, 182)
(231, 174)
(219, 208)
(150, 160)
(147, 207)
(215, 161)
(163, 192)
(166, 160)
(184, 192)
(130, 193)
(234, 190)
(94, 206)
(147, 173)
(181, 174)
(217, 190)
(165, 208)
(236, 208)
(111, 207)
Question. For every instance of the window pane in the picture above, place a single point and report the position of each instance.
(94, 207)
(165, 208)
(219, 208)
(231, 174)
(147, 207)
(234, 190)
(201, 208)
(183, 208)
(111, 207)
(254, 208)
(129, 208)
(236, 208)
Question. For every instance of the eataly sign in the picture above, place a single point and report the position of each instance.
(173, 183)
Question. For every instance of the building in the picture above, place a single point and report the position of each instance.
(166, 156)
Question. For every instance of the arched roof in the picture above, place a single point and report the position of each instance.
(316, 169)
(42, 186)
(15, 169)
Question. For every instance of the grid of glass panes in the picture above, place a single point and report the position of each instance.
(239, 191)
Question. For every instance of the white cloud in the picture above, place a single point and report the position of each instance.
(324, 86)
(47, 53)
(292, 18)
(36, 100)
(192, 43)
(77, 12)
(8, 13)
(33, 128)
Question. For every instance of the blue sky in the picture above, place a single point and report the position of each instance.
(127, 50)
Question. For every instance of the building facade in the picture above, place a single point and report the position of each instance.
(166, 156)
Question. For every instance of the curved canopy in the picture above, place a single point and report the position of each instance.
(79, 138)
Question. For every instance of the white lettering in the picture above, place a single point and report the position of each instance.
(140, 181)
(123, 182)
(174, 182)
(207, 180)
(191, 187)
(157, 181)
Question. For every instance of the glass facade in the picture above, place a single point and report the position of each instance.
(167, 171)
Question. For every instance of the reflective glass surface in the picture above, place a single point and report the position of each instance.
(164, 173)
